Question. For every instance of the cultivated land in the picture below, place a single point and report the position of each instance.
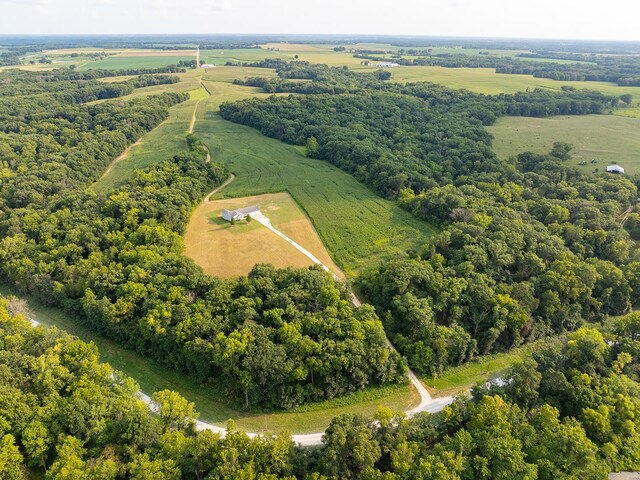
(152, 377)
(486, 80)
(225, 250)
(118, 62)
(607, 138)
(355, 225)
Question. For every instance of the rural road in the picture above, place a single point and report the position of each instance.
(427, 403)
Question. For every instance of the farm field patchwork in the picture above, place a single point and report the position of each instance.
(607, 138)
(486, 80)
(120, 62)
(225, 250)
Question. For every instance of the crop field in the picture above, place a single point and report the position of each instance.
(225, 250)
(229, 74)
(220, 57)
(119, 62)
(486, 80)
(355, 225)
(607, 138)
(153, 377)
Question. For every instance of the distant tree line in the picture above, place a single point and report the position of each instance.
(623, 70)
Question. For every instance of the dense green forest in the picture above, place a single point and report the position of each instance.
(527, 248)
(276, 338)
(562, 413)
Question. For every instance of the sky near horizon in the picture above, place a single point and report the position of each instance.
(571, 19)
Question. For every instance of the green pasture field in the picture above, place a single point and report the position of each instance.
(125, 62)
(153, 377)
(486, 80)
(160, 144)
(607, 138)
(355, 225)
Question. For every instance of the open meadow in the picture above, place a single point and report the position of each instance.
(225, 250)
(606, 138)
(355, 225)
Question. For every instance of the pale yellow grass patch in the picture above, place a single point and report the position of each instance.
(156, 53)
(224, 250)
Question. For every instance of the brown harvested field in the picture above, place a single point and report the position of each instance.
(225, 250)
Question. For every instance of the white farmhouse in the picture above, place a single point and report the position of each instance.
(615, 169)
(240, 213)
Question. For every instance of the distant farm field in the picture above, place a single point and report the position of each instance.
(225, 250)
(607, 138)
(486, 80)
(121, 62)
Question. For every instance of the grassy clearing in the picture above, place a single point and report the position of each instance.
(225, 250)
(153, 377)
(159, 144)
(486, 80)
(459, 379)
(488, 367)
(119, 62)
(607, 138)
(632, 112)
(355, 225)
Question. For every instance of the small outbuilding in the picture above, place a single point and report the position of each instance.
(615, 169)
(240, 213)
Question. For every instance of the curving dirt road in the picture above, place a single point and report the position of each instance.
(427, 403)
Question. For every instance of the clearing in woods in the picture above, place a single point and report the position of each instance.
(357, 226)
(225, 250)
(606, 138)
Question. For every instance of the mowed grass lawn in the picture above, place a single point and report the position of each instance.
(357, 227)
(153, 377)
(607, 138)
(225, 250)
